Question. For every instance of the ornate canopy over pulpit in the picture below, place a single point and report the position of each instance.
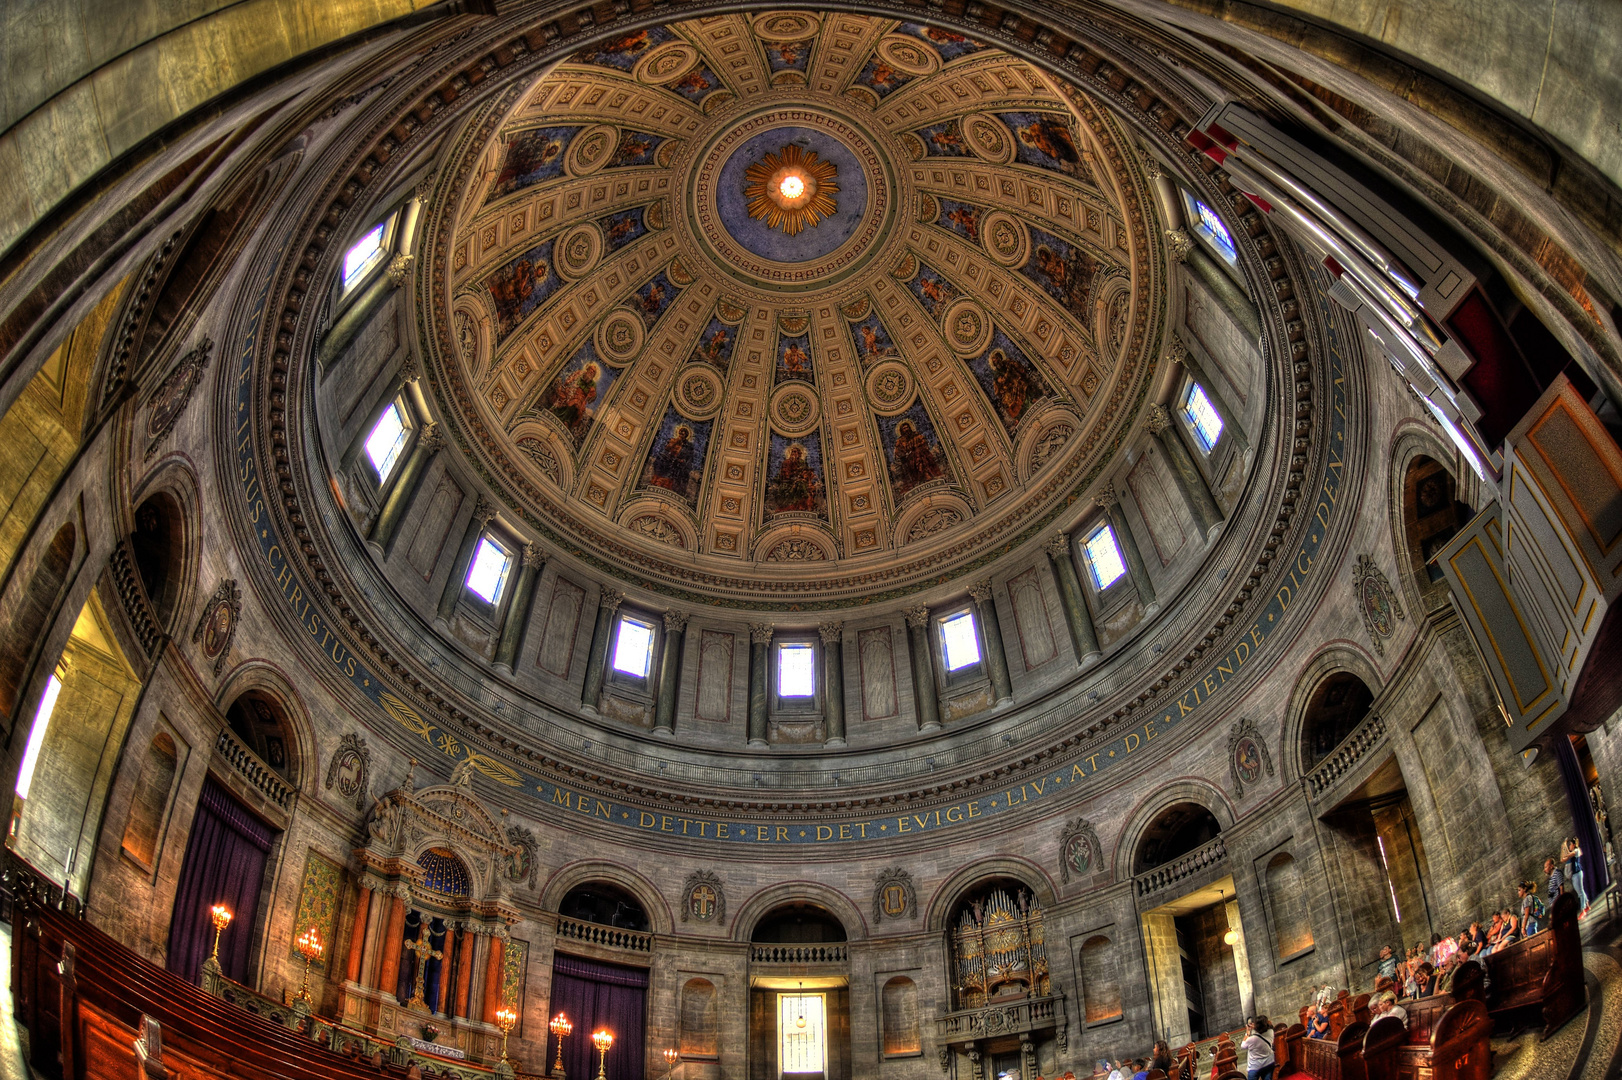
(426, 954)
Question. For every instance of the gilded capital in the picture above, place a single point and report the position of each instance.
(918, 616)
(1159, 418)
(761, 633)
(1106, 496)
(1058, 546)
(1179, 244)
(610, 599)
(433, 438)
(980, 591)
(676, 622)
(832, 633)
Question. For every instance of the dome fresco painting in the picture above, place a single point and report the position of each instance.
(943, 269)
(889, 543)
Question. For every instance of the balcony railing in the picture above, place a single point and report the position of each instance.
(1195, 862)
(1010, 1018)
(836, 952)
(256, 772)
(1343, 758)
(608, 937)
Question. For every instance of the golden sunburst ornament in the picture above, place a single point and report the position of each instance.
(791, 189)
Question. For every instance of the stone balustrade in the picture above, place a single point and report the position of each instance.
(836, 952)
(610, 937)
(1004, 1018)
(1341, 760)
(247, 765)
(1195, 862)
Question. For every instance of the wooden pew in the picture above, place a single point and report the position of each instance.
(1340, 1058)
(1544, 971)
(1454, 1045)
(86, 1001)
(1287, 1048)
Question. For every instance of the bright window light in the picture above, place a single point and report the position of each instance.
(1202, 415)
(363, 256)
(1104, 560)
(36, 735)
(959, 642)
(633, 651)
(387, 439)
(489, 570)
(796, 671)
(800, 1028)
(1209, 226)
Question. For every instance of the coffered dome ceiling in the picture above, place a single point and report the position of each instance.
(794, 310)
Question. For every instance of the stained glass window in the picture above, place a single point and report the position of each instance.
(363, 255)
(1103, 557)
(488, 573)
(387, 439)
(796, 670)
(959, 643)
(1210, 229)
(1202, 416)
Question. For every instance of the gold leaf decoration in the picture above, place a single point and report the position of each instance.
(406, 716)
(767, 201)
(492, 768)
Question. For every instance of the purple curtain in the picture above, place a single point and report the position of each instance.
(594, 996)
(225, 864)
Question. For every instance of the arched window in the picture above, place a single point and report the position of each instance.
(1292, 928)
(1334, 710)
(899, 1008)
(260, 723)
(151, 798)
(158, 544)
(33, 613)
(699, 1021)
(1175, 831)
(604, 904)
(1100, 980)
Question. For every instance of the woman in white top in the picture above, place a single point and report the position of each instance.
(1259, 1046)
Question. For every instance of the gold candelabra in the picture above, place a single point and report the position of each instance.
(220, 916)
(561, 1028)
(602, 1039)
(671, 1057)
(310, 947)
(506, 1018)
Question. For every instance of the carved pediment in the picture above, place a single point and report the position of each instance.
(406, 822)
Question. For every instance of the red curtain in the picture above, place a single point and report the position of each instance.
(596, 996)
(225, 864)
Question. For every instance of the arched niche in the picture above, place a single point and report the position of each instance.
(261, 723)
(898, 1017)
(1432, 514)
(1174, 831)
(143, 829)
(567, 878)
(699, 1035)
(798, 923)
(950, 897)
(798, 895)
(1333, 709)
(605, 904)
(1286, 896)
(158, 546)
(1100, 980)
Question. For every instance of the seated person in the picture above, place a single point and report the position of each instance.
(1387, 1007)
(1474, 939)
(1318, 1023)
(1444, 978)
(1495, 930)
(1425, 980)
(1441, 948)
(1512, 930)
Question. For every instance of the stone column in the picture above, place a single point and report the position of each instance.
(482, 513)
(1129, 548)
(1190, 481)
(388, 974)
(664, 717)
(1083, 638)
(464, 969)
(357, 937)
(608, 602)
(512, 627)
(923, 670)
(833, 681)
(1241, 959)
(386, 529)
(985, 608)
(493, 972)
(760, 642)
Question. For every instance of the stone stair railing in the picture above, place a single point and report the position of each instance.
(1343, 758)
